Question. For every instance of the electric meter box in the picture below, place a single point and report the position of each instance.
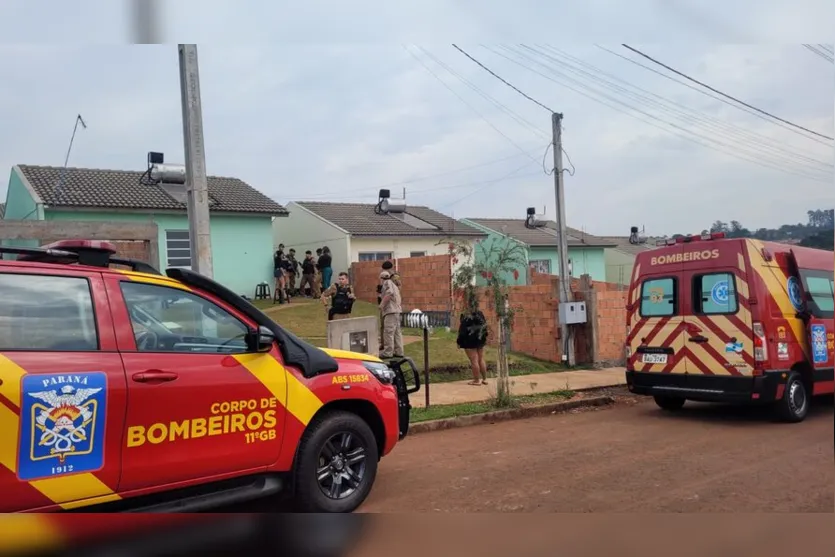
(572, 313)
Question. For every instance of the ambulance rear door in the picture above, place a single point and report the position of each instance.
(656, 332)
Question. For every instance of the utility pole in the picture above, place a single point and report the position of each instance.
(145, 19)
(197, 190)
(562, 237)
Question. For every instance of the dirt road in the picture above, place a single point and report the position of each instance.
(630, 458)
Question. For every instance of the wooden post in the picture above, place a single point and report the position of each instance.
(592, 330)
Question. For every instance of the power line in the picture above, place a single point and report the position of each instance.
(471, 107)
(653, 60)
(826, 48)
(484, 187)
(706, 141)
(681, 111)
(702, 140)
(503, 80)
(712, 95)
(522, 121)
(454, 186)
(816, 49)
(371, 190)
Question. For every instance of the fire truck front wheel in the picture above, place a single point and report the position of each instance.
(336, 465)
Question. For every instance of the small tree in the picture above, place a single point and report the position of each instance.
(494, 264)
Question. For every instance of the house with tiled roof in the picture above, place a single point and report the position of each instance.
(240, 216)
(586, 253)
(620, 259)
(364, 232)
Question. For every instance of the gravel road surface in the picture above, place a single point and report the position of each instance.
(632, 457)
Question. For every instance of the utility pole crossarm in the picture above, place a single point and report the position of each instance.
(562, 237)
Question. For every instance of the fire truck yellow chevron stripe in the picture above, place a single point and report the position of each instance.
(10, 376)
(28, 533)
(297, 398)
(154, 279)
(775, 281)
(60, 490)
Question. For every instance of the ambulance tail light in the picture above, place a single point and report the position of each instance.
(760, 346)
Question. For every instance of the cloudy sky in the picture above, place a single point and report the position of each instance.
(374, 95)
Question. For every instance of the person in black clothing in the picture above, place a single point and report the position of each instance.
(309, 275)
(278, 272)
(324, 265)
(342, 298)
(472, 336)
(281, 268)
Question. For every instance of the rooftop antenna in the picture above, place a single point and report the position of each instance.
(78, 120)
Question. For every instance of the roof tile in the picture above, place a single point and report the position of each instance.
(543, 236)
(359, 219)
(121, 189)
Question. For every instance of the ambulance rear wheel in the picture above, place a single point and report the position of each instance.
(669, 403)
(337, 464)
(794, 405)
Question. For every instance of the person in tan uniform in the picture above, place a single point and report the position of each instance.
(390, 309)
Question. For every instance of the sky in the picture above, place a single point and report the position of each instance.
(331, 101)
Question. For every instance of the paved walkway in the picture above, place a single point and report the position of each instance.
(456, 392)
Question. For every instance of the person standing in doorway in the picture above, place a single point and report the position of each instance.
(342, 298)
(472, 336)
(325, 267)
(391, 310)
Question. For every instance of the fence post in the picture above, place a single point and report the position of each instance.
(419, 319)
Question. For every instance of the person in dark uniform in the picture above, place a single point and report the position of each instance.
(342, 298)
(309, 275)
(472, 336)
(294, 272)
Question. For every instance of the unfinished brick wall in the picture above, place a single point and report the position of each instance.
(536, 329)
(427, 281)
(611, 325)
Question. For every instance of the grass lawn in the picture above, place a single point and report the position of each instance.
(308, 320)
(443, 411)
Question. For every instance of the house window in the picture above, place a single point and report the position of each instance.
(178, 248)
(417, 254)
(540, 266)
(375, 255)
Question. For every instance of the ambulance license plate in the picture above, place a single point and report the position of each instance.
(654, 358)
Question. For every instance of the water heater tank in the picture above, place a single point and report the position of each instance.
(393, 205)
(168, 173)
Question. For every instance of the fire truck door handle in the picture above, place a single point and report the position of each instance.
(698, 338)
(154, 376)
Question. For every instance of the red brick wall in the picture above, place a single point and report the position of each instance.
(536, 328)
(427, 285)
(611, 324)
(427, 281)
